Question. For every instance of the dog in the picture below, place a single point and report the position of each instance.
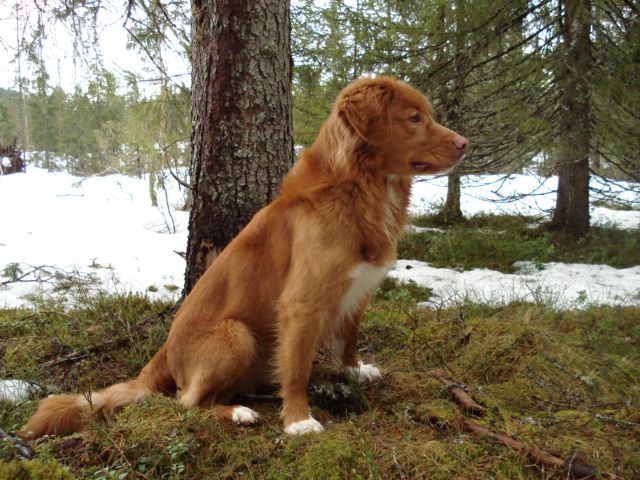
(300, 273)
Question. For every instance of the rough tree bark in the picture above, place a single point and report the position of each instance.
(571, 216)
(242, 142)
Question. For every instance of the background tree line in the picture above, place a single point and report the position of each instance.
(99, 130)
(545, 84)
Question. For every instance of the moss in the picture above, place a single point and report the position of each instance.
(564, 381)
(34, 470)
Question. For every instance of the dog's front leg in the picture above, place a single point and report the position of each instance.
(345, 347)
(300, 330)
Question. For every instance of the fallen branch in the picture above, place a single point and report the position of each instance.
(70, 357)
(22, 449)
(606, 418)
(459, 393)
(569, 467)
(47, 312)
(76, 356)
(40, 274)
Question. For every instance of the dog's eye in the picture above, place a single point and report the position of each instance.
(415, 118)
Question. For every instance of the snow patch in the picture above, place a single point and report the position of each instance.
(105, 228)
(16, 390)
(559, 285)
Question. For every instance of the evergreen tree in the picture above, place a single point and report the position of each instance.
(10, 117)
(241, 117)
(615, 82)
(519, 78)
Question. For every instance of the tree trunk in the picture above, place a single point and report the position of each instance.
(571, 216)
(452, 212)
(242, 142)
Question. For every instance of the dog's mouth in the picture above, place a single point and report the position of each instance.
(424, 167)
(421, 167)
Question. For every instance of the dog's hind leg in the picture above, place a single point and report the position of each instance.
(219, 362)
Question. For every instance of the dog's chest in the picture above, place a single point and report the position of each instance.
(363, 279)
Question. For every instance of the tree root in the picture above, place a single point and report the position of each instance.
(459, 393)
(569, 467)
(22, 449)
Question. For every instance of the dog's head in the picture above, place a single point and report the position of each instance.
(396, 120)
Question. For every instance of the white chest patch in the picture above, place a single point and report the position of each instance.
(392, 194)
(365, 277)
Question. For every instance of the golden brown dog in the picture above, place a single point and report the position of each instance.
(302, 271)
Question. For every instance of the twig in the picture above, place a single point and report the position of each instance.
(22, 449)
(395, 460)
(443, 362)
(70, 357)
(122, 454)
(458, 392)
(571, 468)
(75, 356)
(180, 181)
(47, 312)
(606, 418)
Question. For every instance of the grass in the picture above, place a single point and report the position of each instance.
(565, 381)
(498, 241)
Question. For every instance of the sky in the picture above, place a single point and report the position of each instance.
(105, 228)
(65, 68)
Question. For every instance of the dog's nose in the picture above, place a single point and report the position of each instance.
(460, 143)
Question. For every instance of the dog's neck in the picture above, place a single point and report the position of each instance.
(353, 164)
(376, 204)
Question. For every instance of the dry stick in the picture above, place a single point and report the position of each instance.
(567, 465)
(75, 356)
(22, 449)
(459, 394)
(541, 457)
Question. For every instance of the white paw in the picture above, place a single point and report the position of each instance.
(310, 425)
(364, 373)
(244, 416)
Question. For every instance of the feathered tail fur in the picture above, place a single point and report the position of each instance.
(66, 414)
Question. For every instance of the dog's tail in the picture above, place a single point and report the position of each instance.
(66, 414)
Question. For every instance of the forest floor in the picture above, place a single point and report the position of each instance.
(565, 382)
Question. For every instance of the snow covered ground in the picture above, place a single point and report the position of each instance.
(106, 228)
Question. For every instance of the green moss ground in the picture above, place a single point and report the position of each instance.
(563, 381)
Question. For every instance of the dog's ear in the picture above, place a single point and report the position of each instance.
(366, 108)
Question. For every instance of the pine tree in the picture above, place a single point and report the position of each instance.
(241, 116)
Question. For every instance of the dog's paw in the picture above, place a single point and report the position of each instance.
(244, 416)
(364, 373)
(310, 425)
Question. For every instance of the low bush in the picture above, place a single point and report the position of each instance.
(498, 241)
